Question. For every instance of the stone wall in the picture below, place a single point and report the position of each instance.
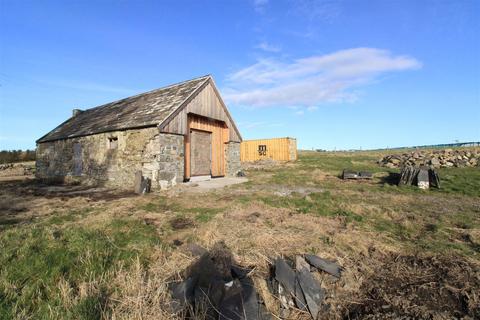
(112, 158)
(232, 158)
(168, 167)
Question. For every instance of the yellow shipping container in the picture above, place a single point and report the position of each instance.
(279, 149)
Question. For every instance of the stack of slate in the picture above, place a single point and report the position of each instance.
(297, 287)
(422, 177)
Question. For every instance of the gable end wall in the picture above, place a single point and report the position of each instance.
(207, 104)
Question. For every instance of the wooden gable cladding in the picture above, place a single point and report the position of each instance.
(206, 103)
(220, 134)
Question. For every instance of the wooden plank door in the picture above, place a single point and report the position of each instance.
(200, 153)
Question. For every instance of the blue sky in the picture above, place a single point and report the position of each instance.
(333, 74)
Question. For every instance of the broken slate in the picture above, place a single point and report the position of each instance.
(325, 265)
(285, 275)
(301, 264)
(312, 292)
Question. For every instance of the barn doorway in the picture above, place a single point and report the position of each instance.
(205, 147)
(200, 153)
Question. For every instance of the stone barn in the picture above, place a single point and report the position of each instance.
(169, 134)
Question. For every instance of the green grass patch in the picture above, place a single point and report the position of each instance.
(205, 214)
(35, 258)
(393, 228)
(318, 203)
(464, 181)
(69, 216)
(334, 163)
(160, 204)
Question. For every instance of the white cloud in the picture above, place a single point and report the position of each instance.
(300, 113)
(310, 81)
(265, 46)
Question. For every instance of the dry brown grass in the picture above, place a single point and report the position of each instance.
(393, 223)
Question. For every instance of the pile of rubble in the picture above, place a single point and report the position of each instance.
(434, 159)
(259, 164)
(17, 169)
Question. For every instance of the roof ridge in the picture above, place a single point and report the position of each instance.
(148, 92)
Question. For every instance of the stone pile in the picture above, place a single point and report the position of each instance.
(435, 159)
(17, 169)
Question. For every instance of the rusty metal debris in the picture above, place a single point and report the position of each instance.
(422, 177)
(357, 175)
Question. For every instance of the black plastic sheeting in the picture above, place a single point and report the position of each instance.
(216, 288)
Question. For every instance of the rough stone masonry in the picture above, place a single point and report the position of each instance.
(159, 156)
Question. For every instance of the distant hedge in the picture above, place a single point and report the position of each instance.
(7, 156)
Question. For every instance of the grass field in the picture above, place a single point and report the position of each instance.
(406, 251)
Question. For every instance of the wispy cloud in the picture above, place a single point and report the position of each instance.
(265, 46)
(259, 5)
(313, 80)
(85, 86)
(324, 10)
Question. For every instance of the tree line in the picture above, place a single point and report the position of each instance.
(7, 156)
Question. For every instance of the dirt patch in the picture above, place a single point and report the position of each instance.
(179, 223)
(420, 287)
(36, 188)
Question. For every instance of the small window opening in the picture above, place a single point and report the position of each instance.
(262, 149)
(112, 143)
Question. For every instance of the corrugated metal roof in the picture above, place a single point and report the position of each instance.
(143, 110)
